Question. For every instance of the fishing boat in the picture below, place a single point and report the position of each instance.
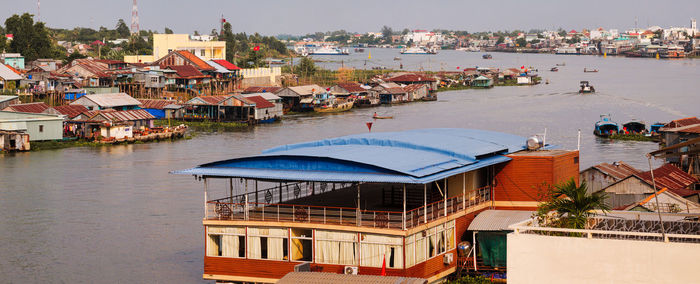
(586, 88)
(375, 116)
(329, 50)
(397, 58)
(585, 70)
(561, 64)
(487, 56)
(333, 105)
(605, 126)
(634, 127)
(554, 69)
(418, 50)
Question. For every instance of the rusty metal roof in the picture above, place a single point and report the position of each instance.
(414, 87)
(28, 107)
(155, 104)
(260, 89)
(412, 78)
(671, 177)
(70, 111)
(336, 278)
(260, 102)
(199, 63)
(618, 170)
(498, 220)
(693, 128)
(124, 115)
(680, 123)
(352, 87)
(187, 71)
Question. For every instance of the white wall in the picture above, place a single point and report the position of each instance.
(544, 259)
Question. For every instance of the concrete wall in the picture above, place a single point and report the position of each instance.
(260, 76)
(544, 259)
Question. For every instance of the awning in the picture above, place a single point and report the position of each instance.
(498, 220)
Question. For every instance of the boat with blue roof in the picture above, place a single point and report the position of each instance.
(605, 126)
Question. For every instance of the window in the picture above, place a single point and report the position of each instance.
(377, 248)
(41, 128)
(336, 248)
(302, 245)
(226, 241)
(268, 243)
(201, 52)
(575, 160)
(430, 243)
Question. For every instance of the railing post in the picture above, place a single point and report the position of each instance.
(358, 221)
(246, 200)
(425, 203)
(464, 191)
(324, 215)
(206, 212)
(445, 188)
(263, 212)
(309, 215)
(278, 212)
(294, 214)
(341, 215)
(403, 214)
(374, 216)
(388, 218)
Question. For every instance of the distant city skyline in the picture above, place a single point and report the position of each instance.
(309, 16)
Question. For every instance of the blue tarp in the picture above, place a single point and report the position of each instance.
(157, 113)
(415, 156)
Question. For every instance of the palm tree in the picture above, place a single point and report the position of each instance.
(573, 205)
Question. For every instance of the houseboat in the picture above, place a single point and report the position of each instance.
(586, 88)
(605, 127)
(418, 50)
(634, 127)
(333, 105)
(329, 50)
(392, 203)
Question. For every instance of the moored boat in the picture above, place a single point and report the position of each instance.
(586, 88)
(605, 127)
(554, 69)
(586, 70)
(418, 50)
(329, 50)
(487, 56)
(375, 116)
(336, 106)
(634, 127)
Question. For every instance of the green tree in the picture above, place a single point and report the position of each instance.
(3, 42)
(168, 31)
(387, 32)
(521, 42)
(196, 33)
(500, 40)
(122, 29)
(30, 39)
(572, 204)
(306, 67)
(73, 56)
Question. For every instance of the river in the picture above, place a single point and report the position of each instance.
(114, 214)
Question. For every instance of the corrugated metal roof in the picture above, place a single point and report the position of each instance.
(415, 156)
(680, 123)
(110, 100)
(28, 107)
(218, 67)
(352, 87)
(669, 176)
(260, 102)
(156, 104)
(336, 278)
(693, 128)
(261, 89)
(125, 115)
(498, 220)
(7, 98)
(70, 111)
(307, 90)
(226, 64)
(267, 96)
(618, 170)
(187, 71)
(7, 73)
(412, 78)
(198, 62)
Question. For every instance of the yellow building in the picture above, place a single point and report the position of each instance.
(165, 43)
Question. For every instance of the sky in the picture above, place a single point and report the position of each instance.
(299, 17)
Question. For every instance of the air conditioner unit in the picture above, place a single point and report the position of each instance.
(448, 258)
(351, 270)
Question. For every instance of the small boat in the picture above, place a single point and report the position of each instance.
(418, 50)
(590, 70)
(586, 88)
(605, 126)
(562, 64)
(554, 69)
(333, 107)
(397, 58)
(375, 116)
(634, 127)
(487, 56)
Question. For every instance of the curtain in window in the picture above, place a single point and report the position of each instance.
(275, 243)
(336, 247)
(212, 245)
(254, 245)
(410, 251)
(378, 248)
(420, 248)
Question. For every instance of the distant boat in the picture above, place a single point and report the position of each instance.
(567, 51)
(375, 116)
(397, 58)
(554, 69)
(561, 64)
(333, 107)
(487, 56)
(605, 127)
(634, 127)
(418, 50)
(590, 70)
(586, 88)
(329, 50)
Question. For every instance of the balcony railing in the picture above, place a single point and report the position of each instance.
(235, 208)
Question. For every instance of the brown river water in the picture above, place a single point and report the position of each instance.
(114, 214)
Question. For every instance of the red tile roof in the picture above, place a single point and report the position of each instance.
(29, 107)
(352, 87)
(260, 102)
(259, 89)
(14, 70)
(226, 64)
(70, 111)
(671, 177)
(199, 63)
(187, 71)
(156, 104)
(411, 78)
(681, 122)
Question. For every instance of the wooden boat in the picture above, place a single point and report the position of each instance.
(375, 116)
(554, 69)
(590, 70)
(487, 56)
(586, 88)
(562, 64)
(634, 127)
(333, 107)
(605, 127)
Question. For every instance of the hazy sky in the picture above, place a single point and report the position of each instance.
(306, 16)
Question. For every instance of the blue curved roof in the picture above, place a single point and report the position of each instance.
(414, 156)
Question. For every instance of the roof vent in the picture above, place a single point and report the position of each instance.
(534, 143)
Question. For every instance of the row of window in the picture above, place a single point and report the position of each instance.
(331, 247)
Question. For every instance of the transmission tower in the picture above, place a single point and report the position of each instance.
(38, 10)
(135, 19)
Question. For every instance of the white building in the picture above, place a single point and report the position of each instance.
(38, 126)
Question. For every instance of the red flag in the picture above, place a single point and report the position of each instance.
(369, 125)
(522, 67)
(256, 48)
(384, 266)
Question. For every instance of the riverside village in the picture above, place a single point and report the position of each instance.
(134, 153)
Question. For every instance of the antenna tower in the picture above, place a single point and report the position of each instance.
(135, 19)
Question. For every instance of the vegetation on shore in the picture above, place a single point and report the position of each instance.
(61, 144)
(633, 137)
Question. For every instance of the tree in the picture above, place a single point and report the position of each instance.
(387, 32)
(196, 33)
(73, 56)
(122, 29)
(521, 42)
(306, 67)
(572, 204)
(30, 39)
(168, 31)
(500, 40)
(405, 31)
